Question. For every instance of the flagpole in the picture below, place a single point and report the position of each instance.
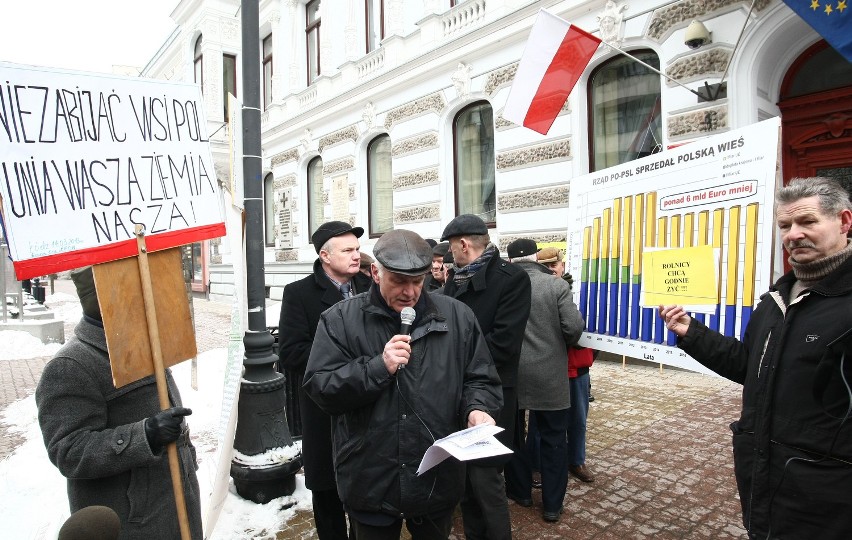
(652, 68)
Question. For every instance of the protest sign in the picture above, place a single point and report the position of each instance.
(85, 157)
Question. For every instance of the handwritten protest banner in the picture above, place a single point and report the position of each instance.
(85, 157)
(685, 276)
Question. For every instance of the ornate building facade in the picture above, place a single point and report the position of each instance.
(387, 113)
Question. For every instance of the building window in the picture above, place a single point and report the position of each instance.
(315, 204)
(197, 64)
(624, 108)
(267, 71)
(229, 79)
(375, 17)
(312, 33)
(380, 185)
(473, 147)
(269, 209)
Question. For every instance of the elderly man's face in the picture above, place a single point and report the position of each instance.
(342, 260)
(398, 290)
(438, 268)
(807, 233)
(558, 267)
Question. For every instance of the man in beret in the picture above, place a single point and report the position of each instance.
(436, 279)
(392, 393)
(555, 324)
(110, 444)
(336, 276)
(499, 294)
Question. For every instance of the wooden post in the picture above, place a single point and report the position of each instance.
(160, 375)
(623, 360)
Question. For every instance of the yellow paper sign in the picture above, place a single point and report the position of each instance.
(685, 276)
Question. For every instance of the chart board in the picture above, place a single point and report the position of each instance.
(717, 191)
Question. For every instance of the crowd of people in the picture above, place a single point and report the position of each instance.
(426, 338)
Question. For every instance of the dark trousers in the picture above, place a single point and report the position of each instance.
(485, 509)
(421, 528)
(329, 516)
(552, 460)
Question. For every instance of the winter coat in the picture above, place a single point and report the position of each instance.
(580, 359)
(554, 325)
(383, 424)
(95, 436)
(301, 305)
(792, 450)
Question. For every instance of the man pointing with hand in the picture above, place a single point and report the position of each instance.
(384, 417)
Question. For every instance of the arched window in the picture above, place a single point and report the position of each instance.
(625, 121)
(380, 185)
(473, 149)
(269, 209)
(315, 204)
(197, 64)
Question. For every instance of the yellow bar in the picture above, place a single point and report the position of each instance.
(639, 203)
(703, 228)
(616, 228)
(675, 222)
(733, 254)
(662, 232)
(718, 232)
(650, 219)
(587, 233)
(750, 255)
(626, 221)
(689, 229)
(607, 219)
(596, 234)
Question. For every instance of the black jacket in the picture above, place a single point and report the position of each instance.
(792, 475)
(499, 295)
(383, 424)
(301, 305)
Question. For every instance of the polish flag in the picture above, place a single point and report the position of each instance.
(555, 56)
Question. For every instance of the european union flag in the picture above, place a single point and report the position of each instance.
(832, 19)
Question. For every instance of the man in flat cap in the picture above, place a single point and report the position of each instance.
(336, 276)
(552, 259)
(392, 394)
(435, 280)
(499, 294)
(555, 324)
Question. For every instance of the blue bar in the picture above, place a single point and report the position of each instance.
(634, 312)
(730, 320)
(647, 324)
(591, 322)
(584, 299)
(623, 309)
(745, 317)
(613, 309)
(714, 319)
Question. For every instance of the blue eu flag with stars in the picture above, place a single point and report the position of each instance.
(832, 19)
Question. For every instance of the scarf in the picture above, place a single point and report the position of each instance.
(464, 274)
(809, 274)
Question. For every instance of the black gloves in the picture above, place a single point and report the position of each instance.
(164, 427)
(569, 279)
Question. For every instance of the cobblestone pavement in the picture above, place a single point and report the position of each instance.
(658, 444)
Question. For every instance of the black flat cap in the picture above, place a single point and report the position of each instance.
(403, 252)
(330, 229)
(448, 257)
(521, 248)
(464, 225)
(439, 250)
(432, 243)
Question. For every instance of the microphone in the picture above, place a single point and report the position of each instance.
(407, 316)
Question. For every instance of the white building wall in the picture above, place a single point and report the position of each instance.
(433, 62)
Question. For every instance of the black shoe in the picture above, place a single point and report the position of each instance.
(591, 398)
(552, 517)
(536, 484)
(526, 503)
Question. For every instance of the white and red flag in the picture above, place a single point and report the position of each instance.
(556, 54)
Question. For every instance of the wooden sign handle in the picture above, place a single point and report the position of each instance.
(160, 375)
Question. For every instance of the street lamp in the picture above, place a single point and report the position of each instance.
(261, 414)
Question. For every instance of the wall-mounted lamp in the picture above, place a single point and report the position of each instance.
(696, 35)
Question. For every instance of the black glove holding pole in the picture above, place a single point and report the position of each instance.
(164, 427)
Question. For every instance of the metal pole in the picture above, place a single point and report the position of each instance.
(261, 424)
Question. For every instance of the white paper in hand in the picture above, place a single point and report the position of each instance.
(471, 443)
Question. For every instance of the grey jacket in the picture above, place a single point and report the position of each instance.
(95, 435)
(554, 325)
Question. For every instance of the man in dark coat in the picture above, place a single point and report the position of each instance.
(337, 266)
(793, 442)
(435, 280)
(110, 443)
(393, 394)
(499, 295)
